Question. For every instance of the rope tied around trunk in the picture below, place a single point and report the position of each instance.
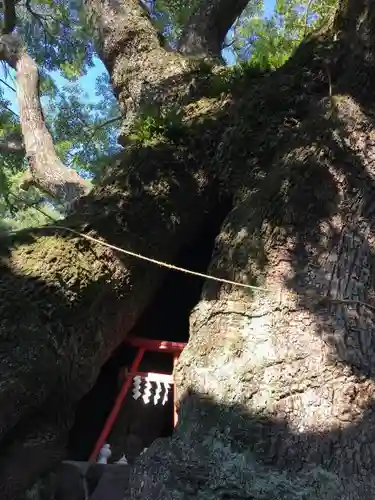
(319, 298)
(159, 262)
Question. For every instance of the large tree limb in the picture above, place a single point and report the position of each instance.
(142, 72)
(9, 11)
(46, 169)
(205, 32)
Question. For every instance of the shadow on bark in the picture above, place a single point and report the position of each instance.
(255, 456)
(303, 187)
(61, 295)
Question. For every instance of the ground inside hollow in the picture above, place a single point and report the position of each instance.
(166, 318)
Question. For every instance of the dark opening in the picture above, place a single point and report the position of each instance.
(166, 318)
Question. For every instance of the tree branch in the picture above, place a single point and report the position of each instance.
(205, 31)
(95, 128)
(108, 17)
(7, 85)
(126, 38)
(33, 205)
(11, 111)
(46, 169)
(308, 7)
(40, 20)
(9, 7)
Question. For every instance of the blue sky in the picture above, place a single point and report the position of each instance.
(87, 81)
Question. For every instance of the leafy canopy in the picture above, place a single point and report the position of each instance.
(269, 41)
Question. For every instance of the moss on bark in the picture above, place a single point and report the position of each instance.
(258, 147)
(276, 390)
(66, 303)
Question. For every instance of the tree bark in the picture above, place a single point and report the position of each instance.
(276, 389)
(45, 168)
(85, 297)
(62, 183)
(144, 75)
(205, 32)
(9, 11)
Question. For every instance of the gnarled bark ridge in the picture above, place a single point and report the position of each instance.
(276, 388)
(143, 73)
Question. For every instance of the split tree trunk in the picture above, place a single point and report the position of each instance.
(275, 388)
(81, 298)
(47, 362)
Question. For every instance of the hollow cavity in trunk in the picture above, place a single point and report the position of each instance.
(166, 318)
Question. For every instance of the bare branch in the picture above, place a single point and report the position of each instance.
(32, 205)
(205, 31)
(41, 20)
(11, 111)
(46, 169)
(104, 124)
(308, 7)
(9, 16)
(229, 44)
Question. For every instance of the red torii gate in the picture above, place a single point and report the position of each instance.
(143, 345)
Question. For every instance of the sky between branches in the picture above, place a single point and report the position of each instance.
(82, 113)
(88, 81)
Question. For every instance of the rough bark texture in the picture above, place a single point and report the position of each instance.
(45, 168)
(276, 389)
(99, 292)
(9, 11)
(205, 32)
(144, 75)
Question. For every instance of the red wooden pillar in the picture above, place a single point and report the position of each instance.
(143, 345)
(117, 406)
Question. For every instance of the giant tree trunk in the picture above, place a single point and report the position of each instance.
(276, 387)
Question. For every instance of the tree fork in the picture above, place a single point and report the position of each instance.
(207, 27)
(87, 298)
(152, 205)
